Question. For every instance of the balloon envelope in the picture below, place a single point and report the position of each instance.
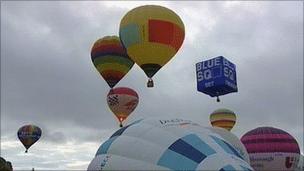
(167, 144)
(216, 77)
(111, 59)
(271, 149)
(152, 35)
(223, 118)
(233, 140)
(122, 101)
(28, 135)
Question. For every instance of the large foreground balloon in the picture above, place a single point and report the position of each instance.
(167, 144)
(28, 135)
(271, 149)
(111, 59)
(223, 118)
(152, 35)
(122, 101)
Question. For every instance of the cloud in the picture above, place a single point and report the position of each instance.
(48, 79)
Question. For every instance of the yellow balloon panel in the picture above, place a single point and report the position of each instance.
(142, 14)
(214, 117)
(112, 66)
(151, 53)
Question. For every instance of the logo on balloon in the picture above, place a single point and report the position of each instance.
(289, 162)
(104, 161)
(113, 100)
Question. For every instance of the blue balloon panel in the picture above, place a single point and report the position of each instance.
(216, 77)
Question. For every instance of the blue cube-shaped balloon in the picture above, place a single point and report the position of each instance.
(216, 76)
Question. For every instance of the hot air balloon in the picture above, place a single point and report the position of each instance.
(223, 118)
(271, 149)
(122, 101)
(111, 59)
(28, 135)
(216, 77)
(167, 144)
(152, 35)
(233, 140)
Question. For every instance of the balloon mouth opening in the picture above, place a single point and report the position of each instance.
(150, 83)
(121, 119)
(217, 97)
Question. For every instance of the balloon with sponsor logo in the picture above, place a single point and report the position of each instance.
(28, 135)
(271, 149)
(110, 59)
(167, 144)
(122, 101)
(216, 77)
(152, 35)
(223, 118)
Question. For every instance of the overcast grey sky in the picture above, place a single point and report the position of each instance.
(48, 79)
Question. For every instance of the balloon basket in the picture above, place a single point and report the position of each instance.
(150, 83)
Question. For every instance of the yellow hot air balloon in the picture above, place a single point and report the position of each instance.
(152, 35)
(223, 118)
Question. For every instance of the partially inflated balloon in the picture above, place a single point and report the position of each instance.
(28, 135)
(233, 140)
(223, 118)
(152, 35)
(111, 59)
(122, 101)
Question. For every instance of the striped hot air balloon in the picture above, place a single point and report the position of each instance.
(223, 118)
(271, 149)
(122, 101)
(152, 35)
(111, 59)
(28, 135)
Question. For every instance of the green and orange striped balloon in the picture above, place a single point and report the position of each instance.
(223, 118)
(110, 59)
